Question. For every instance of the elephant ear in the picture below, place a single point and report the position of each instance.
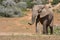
(35, 10)
(45, 12)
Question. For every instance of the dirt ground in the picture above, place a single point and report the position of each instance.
(42, 37)
(17, 24)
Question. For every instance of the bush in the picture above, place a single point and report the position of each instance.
(55, 2)
(10, 12)
(9, 8)
(57, 30)
(39, 2)
(22, 5)
(45, 2)
(16, 1)
(31, 4)
(1, 1)
(8, 3)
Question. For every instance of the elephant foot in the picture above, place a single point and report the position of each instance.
(51, 33)
(45, 33)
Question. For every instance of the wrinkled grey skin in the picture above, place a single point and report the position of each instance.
(44, 15)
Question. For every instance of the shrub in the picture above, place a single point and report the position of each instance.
(57, 30)
(22, 5)
(8, 3)
(55, 2)
(44, 1)
(31, 4)
(10, 12)
(16, 1)
(39, 2)
(1, 1)
(9, 8)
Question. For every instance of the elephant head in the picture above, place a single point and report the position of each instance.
(35, 12)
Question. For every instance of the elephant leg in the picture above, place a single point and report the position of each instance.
(45, 27)
(45, 30)
(51, 29)
(37, 21)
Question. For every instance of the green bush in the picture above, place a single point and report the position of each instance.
(31, 4)
(22, 5)
(1, 1)
(10, 11)
(8, 3)
(44, 1)
(9, 8)
(57, 30)
(55, 2)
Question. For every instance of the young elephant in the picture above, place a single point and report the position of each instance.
(44, 15)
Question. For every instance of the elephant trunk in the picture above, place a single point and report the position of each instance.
(34, 14)
(32, 20)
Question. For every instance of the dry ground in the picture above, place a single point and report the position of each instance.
(42, 37)
(16, 24)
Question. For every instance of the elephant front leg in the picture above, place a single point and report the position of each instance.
(37, 21)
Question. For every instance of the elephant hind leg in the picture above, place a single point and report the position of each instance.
(51, 29)
(45, 27)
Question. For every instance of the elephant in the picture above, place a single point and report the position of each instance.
(44, 15)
